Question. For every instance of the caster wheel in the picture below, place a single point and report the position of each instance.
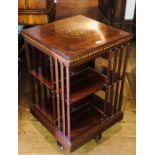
(61, 148)
(98, 138)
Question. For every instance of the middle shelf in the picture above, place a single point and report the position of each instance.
(86, 83)
(82, 84)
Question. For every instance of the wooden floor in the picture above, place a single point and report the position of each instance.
(120, 139)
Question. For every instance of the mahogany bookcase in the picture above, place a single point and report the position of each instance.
(64, 81)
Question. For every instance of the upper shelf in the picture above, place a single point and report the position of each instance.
(86, 83)
(41, 78)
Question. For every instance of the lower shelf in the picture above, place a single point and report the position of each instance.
(87, 121)
(83, 120)
(90, 115)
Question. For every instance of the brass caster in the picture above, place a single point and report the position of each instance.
(98, 138)
(61, 148)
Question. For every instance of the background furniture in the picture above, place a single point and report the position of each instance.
(31, 13)
(64, 80)
(116, 12)
(34, 12)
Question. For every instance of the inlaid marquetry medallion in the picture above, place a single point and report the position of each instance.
(76, 33)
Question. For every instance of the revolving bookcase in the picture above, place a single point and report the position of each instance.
(65, 82)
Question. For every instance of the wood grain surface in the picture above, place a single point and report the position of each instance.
(75, 36)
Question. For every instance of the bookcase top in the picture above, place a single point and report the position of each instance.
(75, 38)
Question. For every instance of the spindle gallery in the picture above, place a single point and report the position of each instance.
(64, 80)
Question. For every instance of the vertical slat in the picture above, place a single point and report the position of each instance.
(125, 62)
(53, 91)
(111, 84)
(116, 97)
(57, 92)
(27, 48)
(123, 80)
(114, 66)
(49, 101)
(109, 68)
(45, 98)
(62, 98)
(46, 66)
(106, 100)
(120, 61)
(47, 75)
(44, 71)
(121, 95)
(33, 59)
(109, 107)
(68, 102)
(118, 77)
(41, 87)
(111, 96)
(113, 80)
(107, 93)
(38, 83)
